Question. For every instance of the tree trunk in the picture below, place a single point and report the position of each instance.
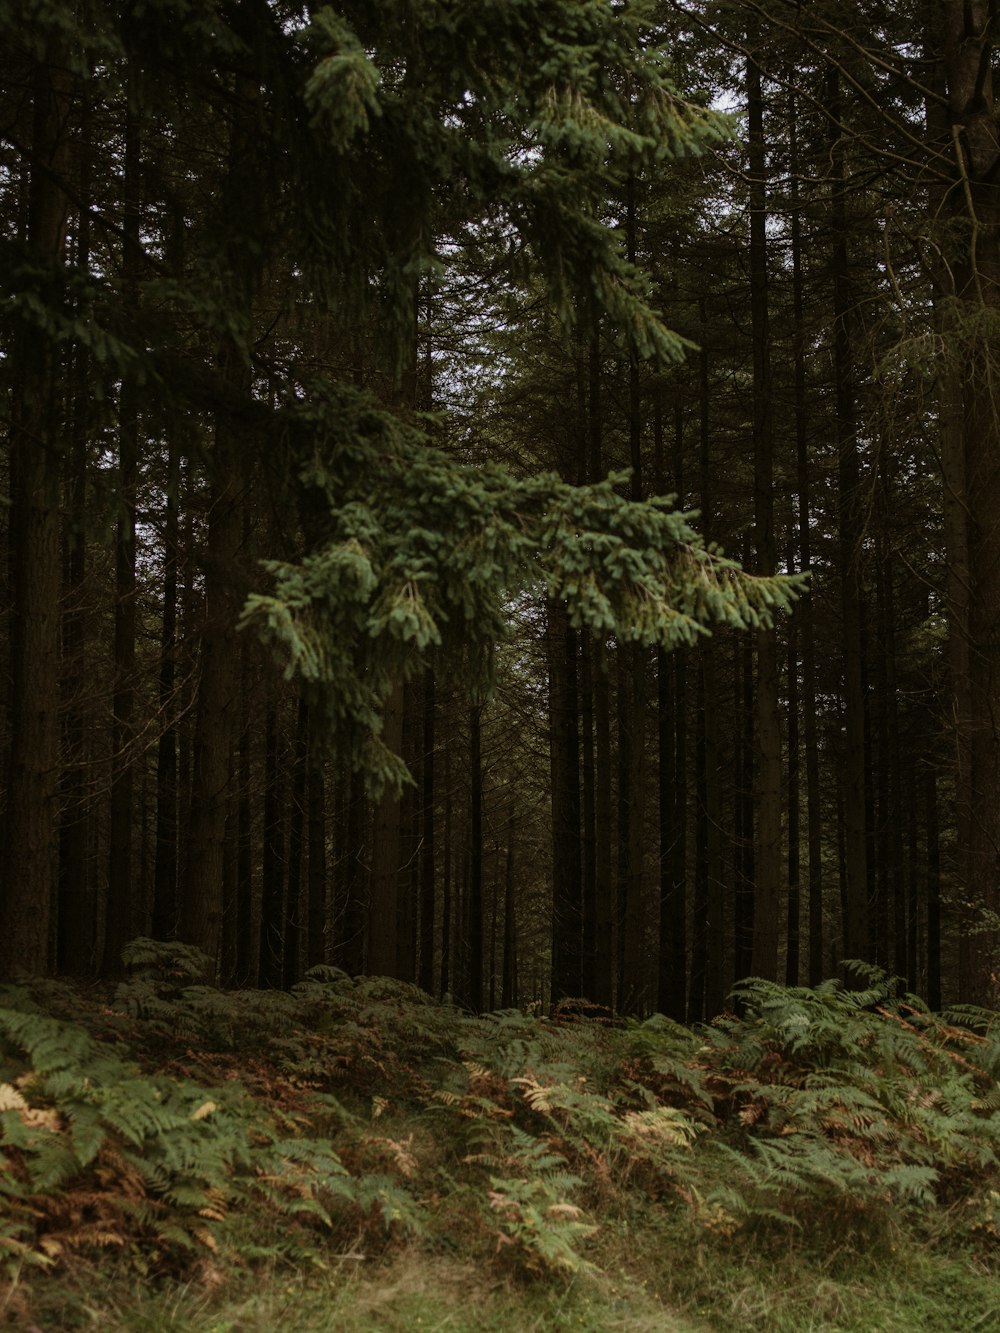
(631, 802)
(120, 901)
(428, 866)
(675, 868)
(383, 922)
(893, 760)
(743, 931)
(272, 917)
(245, 963)
(604, 886)
(767, 887)
(933, 889)
(316, 909)
(29, 845)
(671, 989)
(355, 878)
(975, 150)
(604, 958)
(588, 846)
(230, 882)
(77, 917)
(564, 763)
(804, 610)
(793, 933)
(217, 704)
(447, 906)
(293, 930)
(856, 943)
(508, 987)
(632, 719)
(708, 660)
(165, 855)
(410, 825)
(699, 906)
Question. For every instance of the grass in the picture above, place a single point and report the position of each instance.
(409, 1291)
(669, 1288)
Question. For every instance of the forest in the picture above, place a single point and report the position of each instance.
(500, 510)
(346, 367)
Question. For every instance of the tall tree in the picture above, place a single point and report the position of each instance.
(201, 902)
(966, 38)
(77, 916)
(764, 962)
(29, 865)
(564, 747)
(121, 895)
(856, 942)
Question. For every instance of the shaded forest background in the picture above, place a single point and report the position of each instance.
(231, 231)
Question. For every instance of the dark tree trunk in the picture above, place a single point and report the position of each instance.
(447, 906)
(856, 942)
(803, 615)
(744, 842)
(968, 29)
(604, 886)
(245, 962)
(564, 762)
(411, 823)
(29, 844)
(494, 925)
(356, 884)
(230, 881)
(699, 906)
(671, 990)
(293, 929)
(120, 900)
(272, 916)
(383, 921)
(588, 846)
(604, 958)
(933, 889)
(793, 935)
(880, 714)
(217, 703)
(631, 781)
(673, 685)
(77, 917)
(316, 875)
(508, 987)
(893, 761)
(428, 866)
(715, 987)
(475, 927)
(165, 856)
(767, 884)
(632, 719)
(217, 706)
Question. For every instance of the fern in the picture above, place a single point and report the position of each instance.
(165, 962)
(167, 1159)
(277, 1122)
(539, 1228)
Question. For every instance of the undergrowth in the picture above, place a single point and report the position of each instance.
(185, 1132)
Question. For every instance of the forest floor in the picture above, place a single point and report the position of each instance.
(352, 1156)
